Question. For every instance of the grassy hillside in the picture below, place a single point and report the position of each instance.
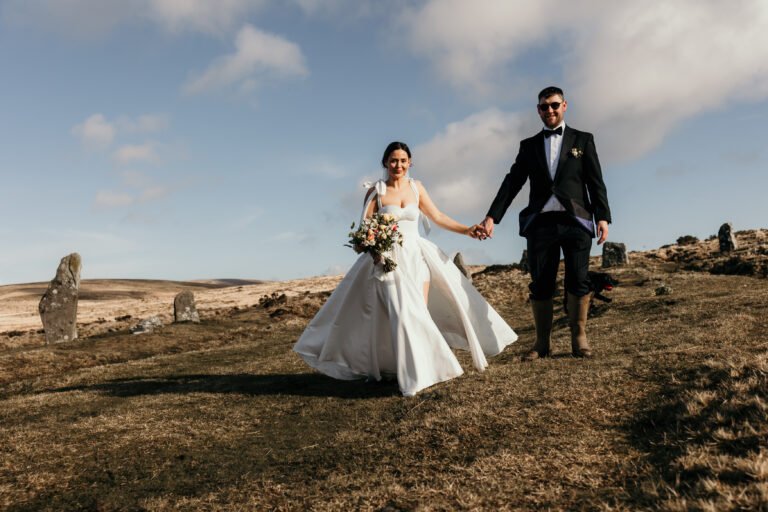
(671, 414)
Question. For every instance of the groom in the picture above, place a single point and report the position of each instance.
(568, 203)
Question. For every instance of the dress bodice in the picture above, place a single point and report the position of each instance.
(402, 213)
(407, 218)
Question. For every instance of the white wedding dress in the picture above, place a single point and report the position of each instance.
(377, 323)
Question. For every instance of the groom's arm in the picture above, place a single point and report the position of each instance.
(593, 176)
(513, 182)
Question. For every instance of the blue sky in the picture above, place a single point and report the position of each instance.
(191, 139)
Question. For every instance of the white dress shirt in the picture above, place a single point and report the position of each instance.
(552, 146)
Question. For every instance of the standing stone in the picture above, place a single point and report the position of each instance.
(58, 307)
(614, 254)
(184, 309)
(524, 266)
(458, 260)
(726, 237)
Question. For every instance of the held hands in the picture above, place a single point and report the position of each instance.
(483, 230)
(477, 232)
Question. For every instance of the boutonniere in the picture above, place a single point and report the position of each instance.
(576, 152)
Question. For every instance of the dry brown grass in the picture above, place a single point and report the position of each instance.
(223, 416)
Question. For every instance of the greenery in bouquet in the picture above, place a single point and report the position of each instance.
(377, 235)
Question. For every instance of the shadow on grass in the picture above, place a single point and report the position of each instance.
(703, 434)
(296, 384)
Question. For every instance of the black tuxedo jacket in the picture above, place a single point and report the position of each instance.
(578, 182)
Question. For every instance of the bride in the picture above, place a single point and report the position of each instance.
(404, 322)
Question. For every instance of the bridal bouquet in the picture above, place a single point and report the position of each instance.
(377, 235)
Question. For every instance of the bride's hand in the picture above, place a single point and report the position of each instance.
(475, 231)
(376, 258)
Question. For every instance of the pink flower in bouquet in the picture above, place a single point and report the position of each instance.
(377, 235)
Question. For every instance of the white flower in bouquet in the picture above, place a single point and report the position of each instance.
(377, 235)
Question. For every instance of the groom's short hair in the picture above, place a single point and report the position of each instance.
(550, 91)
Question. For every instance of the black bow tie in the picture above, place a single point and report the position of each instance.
(549, 133)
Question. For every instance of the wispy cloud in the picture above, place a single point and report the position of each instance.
(258, 56)
(106, 199)
(97, 18)
(145, 123)
(136, 153)
(95, 132)
(135, 188)
(201, 15)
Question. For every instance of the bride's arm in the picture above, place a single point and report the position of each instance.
(371, 209)
(435, 215)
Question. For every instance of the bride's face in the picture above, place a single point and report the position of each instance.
(398, 164)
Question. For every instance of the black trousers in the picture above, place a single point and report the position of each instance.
(551, 232)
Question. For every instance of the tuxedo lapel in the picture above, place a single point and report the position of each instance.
(568, 139)
(541, 155)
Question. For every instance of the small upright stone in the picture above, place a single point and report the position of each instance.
(614, 254)
(524, 266)
(727, 238)
(147, 325)
(458, 260)
(58, 306)
(184, 309)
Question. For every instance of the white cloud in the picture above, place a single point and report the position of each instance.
(463, 166)
(98, 133)
(133, 153)
(107, 199)
(145, 123)
(144, 191)
(201, 15)
(97, 18)
(637, 69)
(75, 18)
(668, 64)
(257, 55)
(135, 179)
(345, 9)
(468, 41)
(95, 132)
(153, 193)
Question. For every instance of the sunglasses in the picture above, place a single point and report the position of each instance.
(545, 106)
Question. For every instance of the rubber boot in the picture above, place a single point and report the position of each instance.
(542, 319)
(578, 308)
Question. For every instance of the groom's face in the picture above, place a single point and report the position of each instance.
(551, 116)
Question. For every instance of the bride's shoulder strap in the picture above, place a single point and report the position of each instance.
(424, 220)
(379, 188)
(415, 188)
(368, 195)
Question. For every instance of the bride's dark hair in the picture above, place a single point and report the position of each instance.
(393, 146)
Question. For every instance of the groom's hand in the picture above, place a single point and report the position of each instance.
(487, 226)
(602, 231)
